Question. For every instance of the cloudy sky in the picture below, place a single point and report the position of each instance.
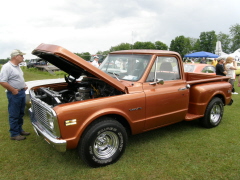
(92, 25)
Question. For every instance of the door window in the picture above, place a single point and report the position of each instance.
(165, 68)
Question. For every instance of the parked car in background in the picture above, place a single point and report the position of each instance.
(200, 68)
(23, 64)
(35, 62)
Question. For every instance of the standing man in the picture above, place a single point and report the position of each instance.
(203, 61)
(220, 67)
(95, 61)
(11, 78)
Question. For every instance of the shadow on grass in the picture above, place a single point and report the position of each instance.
(49, 155)
(71, 158)
(187, 127)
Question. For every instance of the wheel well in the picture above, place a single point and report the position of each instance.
(122, 121)
(116, 117)
(221, 97)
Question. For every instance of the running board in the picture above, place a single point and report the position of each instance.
(190, 117)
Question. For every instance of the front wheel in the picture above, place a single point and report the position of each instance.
(213, 114)
(103, 143)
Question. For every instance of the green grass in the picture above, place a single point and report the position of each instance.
(181, 151)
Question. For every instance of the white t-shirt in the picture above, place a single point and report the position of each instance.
(230, 72)
(95, 63)
(13, 75)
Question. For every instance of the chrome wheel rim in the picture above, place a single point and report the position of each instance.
(105, 145)
(216, 113)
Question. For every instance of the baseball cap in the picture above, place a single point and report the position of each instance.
(220, 58)
(16, 52)
(96, 57)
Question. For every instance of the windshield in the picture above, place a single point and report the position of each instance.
(128, 67)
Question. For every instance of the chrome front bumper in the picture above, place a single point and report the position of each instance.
(59, 145)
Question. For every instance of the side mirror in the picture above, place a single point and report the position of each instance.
(160, 81)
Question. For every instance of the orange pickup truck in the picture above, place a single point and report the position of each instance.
(132, 92)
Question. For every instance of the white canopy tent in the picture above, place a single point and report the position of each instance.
(219, 52)
(236, 55)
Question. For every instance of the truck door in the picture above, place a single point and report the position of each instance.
(165, 103)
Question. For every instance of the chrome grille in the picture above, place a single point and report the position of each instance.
(42, 113)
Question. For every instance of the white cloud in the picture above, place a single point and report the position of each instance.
(92, 25)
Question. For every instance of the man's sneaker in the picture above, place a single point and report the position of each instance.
(18, 138)
(234, 93)
(25, 133)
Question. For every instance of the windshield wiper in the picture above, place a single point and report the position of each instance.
(115, 75)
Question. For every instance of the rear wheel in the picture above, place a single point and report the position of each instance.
(213, 114)
(103, 143)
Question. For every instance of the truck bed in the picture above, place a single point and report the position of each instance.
(195, 78)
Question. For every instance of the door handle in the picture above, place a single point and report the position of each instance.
(184, 88)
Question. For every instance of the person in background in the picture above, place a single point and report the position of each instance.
(189, 60)
(220, 67)
(203, 61)
(231, 66)
(11, 78)
(237, 59)
(238, 81)
(214, 62)
(95, 61)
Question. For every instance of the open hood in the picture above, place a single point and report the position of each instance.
(73, 64)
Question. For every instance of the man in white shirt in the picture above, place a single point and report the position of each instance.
(11, 78)
(95, 61)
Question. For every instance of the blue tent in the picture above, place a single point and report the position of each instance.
(202, 54)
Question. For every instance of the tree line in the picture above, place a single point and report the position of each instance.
(207, 42)
(181, 44)
(185, 45)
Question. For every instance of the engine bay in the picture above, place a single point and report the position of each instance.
(87, 88)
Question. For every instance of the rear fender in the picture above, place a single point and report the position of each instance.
(201, 94)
